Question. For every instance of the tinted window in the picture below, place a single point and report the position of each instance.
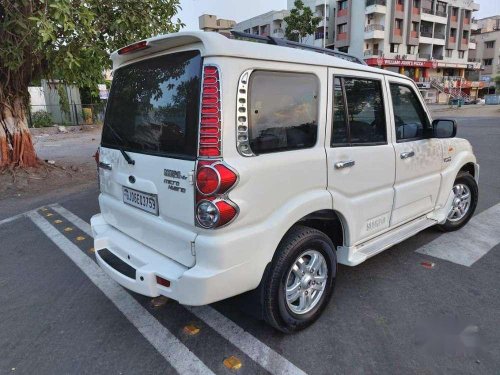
(364, 116)
(283, 111)
(153, 106)
(409, 116)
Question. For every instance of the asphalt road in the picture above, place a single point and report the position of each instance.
(388, 315)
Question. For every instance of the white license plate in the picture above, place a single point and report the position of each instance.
(144, 201)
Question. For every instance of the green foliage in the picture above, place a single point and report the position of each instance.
(71, 40)
(41, 119)
(300, 22)
(63, 98)
(497, 83)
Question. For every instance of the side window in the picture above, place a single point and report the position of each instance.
(283, 111)
(409, 117)
(363, 121)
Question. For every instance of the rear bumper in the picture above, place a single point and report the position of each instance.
(199, 285)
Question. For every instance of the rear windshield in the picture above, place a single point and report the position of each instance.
(153, 106)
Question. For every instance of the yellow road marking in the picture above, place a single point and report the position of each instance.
(58, 221)
(48, 215)
(68, 229)
(80, 238)
(233, 363)
(191, 329)
(92, 250)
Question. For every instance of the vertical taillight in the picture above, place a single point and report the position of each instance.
(214, 178)
(210, 117)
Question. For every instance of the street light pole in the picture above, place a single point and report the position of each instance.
(324, 26)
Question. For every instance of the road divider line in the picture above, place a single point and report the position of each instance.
(248, 344)
(175, 352)
(469, 244)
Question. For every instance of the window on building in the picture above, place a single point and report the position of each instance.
(453, 32)
(283, 111)
(410, 119)
(400, 2)
(461, 54)
(342, 4)
(490, 44)
(487, 62)
(410, 50)
(414, 26)
(342, 28)
(363, 120)
(394, 47)
(398, 24)
(449, 53)
(416, 3)
(454, 11)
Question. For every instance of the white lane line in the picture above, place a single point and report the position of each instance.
(248, 344)
(180, 357)
(21, 215)
(469, 244)
(79, 223)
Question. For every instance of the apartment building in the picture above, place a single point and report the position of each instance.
(271, 23)
(487, 52)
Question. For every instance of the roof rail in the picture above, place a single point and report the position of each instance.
(288, 43)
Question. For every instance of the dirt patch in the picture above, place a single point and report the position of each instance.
(67, 156)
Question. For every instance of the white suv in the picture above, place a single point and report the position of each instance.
(228, 166)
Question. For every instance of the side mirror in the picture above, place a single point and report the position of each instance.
(442, 128)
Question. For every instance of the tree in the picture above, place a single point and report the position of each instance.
(300, 22)
(497, 83)
(68, 40)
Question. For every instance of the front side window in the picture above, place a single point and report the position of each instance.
(283, 111)
(360, 118)
(409, 116)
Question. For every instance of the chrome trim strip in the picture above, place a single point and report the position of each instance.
(242, 138)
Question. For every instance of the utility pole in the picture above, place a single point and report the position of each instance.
(324, 26)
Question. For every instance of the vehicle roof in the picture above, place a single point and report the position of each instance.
(215, 44)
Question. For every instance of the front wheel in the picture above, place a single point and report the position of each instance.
(464, 204)
(301, 279)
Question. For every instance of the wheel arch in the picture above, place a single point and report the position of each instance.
(469, 168)
(328, 221)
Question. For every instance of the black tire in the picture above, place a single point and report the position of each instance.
(275, 308)
(466, 179)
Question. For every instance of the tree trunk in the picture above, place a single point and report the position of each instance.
(16, 145)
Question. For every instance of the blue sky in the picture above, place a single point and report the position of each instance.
(239, 10)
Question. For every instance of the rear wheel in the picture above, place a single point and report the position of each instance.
(464, 204)
(300, 281)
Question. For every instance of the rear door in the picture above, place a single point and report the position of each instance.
(359, 152)
(418, 157)
(152, 120)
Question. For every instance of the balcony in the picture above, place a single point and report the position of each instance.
(342, 12)
(440, 13)
(426, 33)
(427, 11)
(374, 32)
(342, 36)
(374, 52)
(439, 35)
(437, 57)
(474, 60)
(426, 56)
(375, 6)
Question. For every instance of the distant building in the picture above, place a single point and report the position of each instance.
(209, 22)
(487, 51)
(271, 23)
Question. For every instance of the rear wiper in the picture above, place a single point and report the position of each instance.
(120, 148)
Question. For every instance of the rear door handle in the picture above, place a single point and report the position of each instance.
(344, 164)
(408, 154)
